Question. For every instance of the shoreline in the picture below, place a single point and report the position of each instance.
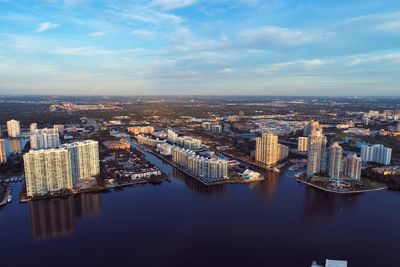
(340, 192)
(228, 181)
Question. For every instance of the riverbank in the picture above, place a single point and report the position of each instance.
(340, 191)
(203, 181)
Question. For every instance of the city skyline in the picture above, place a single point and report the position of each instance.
(169, 47)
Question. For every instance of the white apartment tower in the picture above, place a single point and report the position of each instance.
(84, 157)
(13, 128)
(47, 171)
(44, 138)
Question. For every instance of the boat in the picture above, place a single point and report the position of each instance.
(275, 169)
(9, 198)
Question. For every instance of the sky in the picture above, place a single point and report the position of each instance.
(200, 47)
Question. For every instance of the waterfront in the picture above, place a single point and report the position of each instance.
(277, 222)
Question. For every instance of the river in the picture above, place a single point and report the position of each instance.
(277, 222)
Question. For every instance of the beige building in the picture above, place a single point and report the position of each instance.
(267, 150)
(3, 157)
(47, 171)
(302, 144)
(13, 128)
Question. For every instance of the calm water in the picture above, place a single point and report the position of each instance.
(182, 223)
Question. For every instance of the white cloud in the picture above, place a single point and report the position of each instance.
(279, 35)
(97, 33)
(45, 26)
(172, 4)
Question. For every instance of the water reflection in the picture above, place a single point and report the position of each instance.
(318, 203)
(56, 217)
(15, 145)
(196, 186)
(268, 187)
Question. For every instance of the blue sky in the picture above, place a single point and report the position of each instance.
(285, 47)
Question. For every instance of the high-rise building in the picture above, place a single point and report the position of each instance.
(84, 158)
(352, 167)
(335, 162)
(283, 152)
(376, 153)
(33, 127)
(302, 144)
(47, 171)
(3, 157)
(316, 158)
(267, 151)
(207, 169)
(44, 138)
(13, 128)
(172, 136)
(60, 128)
(311, 127)
(15, 145)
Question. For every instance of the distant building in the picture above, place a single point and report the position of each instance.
(148, 141)
(376, 153)
(3, 157)
(206, 125)
(84, 158)
(13, 128)
(267, 151)
(44, 138)
(283, 152)
(141, 130)
(33, 127)
(164, 149)
(216, 128)
(121, 144)
(47, 171)
(352, 167)
(311, 127)
(208, 169)
(302, 144)
(317, 154)
(60, 128)
(335, 163)
(15, 145)
(184, 141)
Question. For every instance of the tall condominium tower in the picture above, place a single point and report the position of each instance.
(3, 157)
(335, 163)
(13, 128)
(33, 127)
(84, 159)
(376, 153)
(316, 158)
(302, 144)
(311, 127)
(47, 171)
(44, 138)
(267, 151)
(352, 167)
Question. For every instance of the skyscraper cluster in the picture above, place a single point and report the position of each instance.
(330, 161)
(51, 170)
(208, 169)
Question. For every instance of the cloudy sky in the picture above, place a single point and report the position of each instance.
(285, 47)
